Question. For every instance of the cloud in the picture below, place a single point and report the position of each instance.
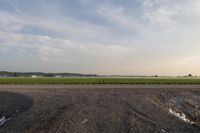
(115, 14)
(161, 14)
(64, 50)
(77, 42)
(103, 35)
(171, 15)
(63, 26)
(146, 16)
(190, 60)
(10, 22)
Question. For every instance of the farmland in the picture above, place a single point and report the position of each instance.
(99, 80)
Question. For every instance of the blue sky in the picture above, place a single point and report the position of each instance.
(141, 37)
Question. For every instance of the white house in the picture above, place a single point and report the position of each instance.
(34, 76)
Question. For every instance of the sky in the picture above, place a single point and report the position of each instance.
(127, 37)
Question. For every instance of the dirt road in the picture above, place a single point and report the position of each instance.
(100, 108)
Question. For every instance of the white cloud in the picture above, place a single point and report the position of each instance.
(162, 14)
(63, 25)
(10, 22)
(190, 60)
(81, 45)
(123, 40)
(115, 14)
(171, 15)
(48, 49)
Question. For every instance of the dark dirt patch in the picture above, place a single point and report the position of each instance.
(12, 104)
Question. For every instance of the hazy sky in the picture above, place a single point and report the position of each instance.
(144, 37)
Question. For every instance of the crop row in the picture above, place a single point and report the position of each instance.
(99, 81)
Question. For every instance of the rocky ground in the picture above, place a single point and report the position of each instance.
(100, 109)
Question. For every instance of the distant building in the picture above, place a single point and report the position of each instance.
(57, 76)
(34, 76)
(3, 76)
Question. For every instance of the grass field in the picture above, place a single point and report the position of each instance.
(99, 81)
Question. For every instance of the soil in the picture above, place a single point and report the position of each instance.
(100, 109)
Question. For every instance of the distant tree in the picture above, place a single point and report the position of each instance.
(14, 74)
(189, 75)
(49, 75)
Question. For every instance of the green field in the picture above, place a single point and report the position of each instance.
(99, 81)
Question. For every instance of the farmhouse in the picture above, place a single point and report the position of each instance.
(34, 76)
